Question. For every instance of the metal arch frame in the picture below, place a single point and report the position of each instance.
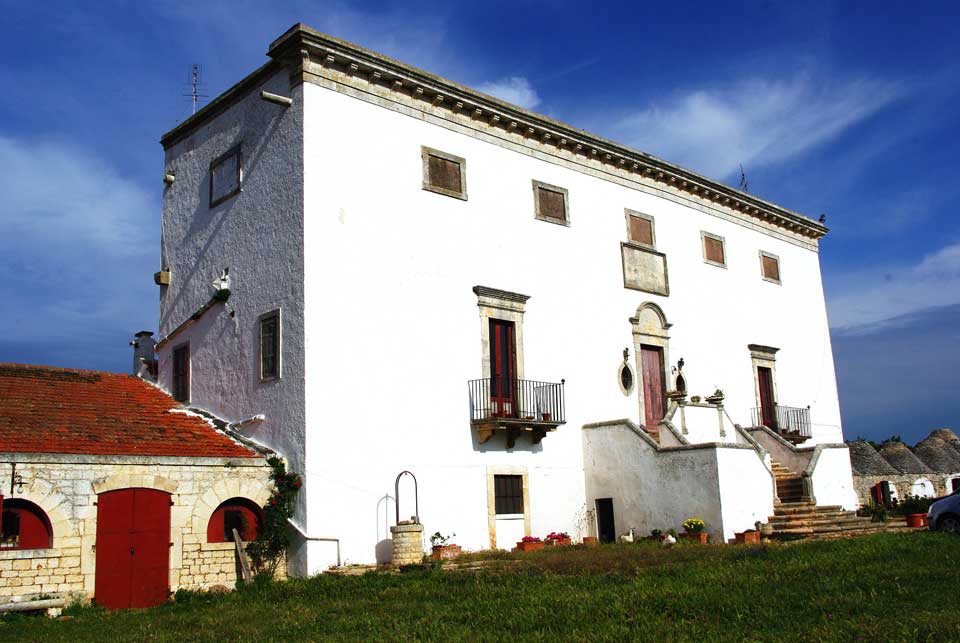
(416, 496)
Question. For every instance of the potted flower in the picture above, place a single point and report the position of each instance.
(694, 530)
(716, 398)
(530, 543)
(443, 549)
(655, 534)
(554, 538)
(915, 508)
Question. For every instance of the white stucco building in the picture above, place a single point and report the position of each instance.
(426, 278)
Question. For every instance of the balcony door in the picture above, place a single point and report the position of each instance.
(503, 367)
(768, 406)
(654, 392)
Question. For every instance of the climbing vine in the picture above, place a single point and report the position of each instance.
(267, 550)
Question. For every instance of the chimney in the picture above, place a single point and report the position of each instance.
(144, 359)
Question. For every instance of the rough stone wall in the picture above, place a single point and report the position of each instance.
(902, 483)
(66, 488)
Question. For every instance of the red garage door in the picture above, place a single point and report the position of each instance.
(133, 548)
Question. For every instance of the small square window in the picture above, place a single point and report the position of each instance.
(508, 493)
(770, 267)
(270, 345)
(640, 229)
(181, 373)
(444, 173)
(713, 250)
(226, 173)
(550, 203)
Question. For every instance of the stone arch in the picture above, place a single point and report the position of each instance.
(58, 509)
(256, 491)
(131, 480)
(650, 320)
(650, 328)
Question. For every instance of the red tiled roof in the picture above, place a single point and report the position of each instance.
(59, 410)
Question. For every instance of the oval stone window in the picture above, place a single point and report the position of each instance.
(626, 379)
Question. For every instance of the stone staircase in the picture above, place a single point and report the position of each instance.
(797, 517)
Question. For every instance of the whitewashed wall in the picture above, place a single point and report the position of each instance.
(832, 478)
(729, 487)
(258, 235)
(387, 271)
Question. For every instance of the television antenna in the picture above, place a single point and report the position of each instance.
(743, 180)
(195, 86)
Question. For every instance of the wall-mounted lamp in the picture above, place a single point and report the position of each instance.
(16, 479)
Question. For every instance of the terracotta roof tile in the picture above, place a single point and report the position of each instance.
(57, 410)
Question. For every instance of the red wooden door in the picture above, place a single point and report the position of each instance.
(651, 361)
(502, 367)
(133, 548)
(768, 408)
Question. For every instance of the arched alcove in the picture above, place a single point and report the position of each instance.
(25, 526)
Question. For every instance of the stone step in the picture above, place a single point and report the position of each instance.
(814, 517)
(790, 508)
(823, 525)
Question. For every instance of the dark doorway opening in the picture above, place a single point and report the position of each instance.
(606, 527)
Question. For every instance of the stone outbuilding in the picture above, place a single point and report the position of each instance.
(888, 475)
(112, 491)
(874, 478)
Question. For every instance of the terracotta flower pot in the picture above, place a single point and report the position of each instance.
(699, 537)
(747, 537)
(445, 552)
(530, 546)
(915, 520)
(590, 541)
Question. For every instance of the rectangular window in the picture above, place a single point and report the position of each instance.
(225, 176)
(713, 250)
(232, 519)
(508, 490)
(270, 345)
(640, 229)
(550, 203)
(770, 267)
(181, 373)
(444, 173)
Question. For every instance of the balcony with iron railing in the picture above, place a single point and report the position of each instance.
(516, 407)
(790, 422)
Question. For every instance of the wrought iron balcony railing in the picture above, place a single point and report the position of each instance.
(520, 401)
(786, 420)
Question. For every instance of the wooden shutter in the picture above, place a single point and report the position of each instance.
(445, 174)
(641, 230)
(713, 248)
(552, 204)
(181, 373)
(771, 267)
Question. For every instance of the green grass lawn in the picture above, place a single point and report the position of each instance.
(887, 587)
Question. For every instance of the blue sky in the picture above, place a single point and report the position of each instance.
(844, 108)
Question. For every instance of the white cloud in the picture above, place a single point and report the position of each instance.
(79, 244)
(515, 89)
(754, 122)
(871, 297)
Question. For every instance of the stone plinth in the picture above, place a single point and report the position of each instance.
(407, 544)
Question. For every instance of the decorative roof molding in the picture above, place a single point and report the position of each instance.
(495, 293)
(301, 44)
(308, 54)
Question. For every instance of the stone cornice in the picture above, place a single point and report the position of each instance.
(301, 48)
(307, 54)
